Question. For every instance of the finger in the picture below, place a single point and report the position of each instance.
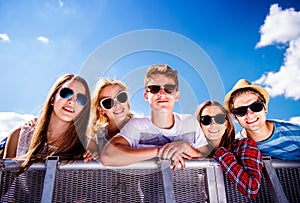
(162, 149)
(169, 153)
(186, 156)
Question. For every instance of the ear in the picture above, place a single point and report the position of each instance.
(177, 95)
(52, 101)
(266, 108)
(100, 110)
(146, 96)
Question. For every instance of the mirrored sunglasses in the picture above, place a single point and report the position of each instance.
(67, 93)
(219, 119)
(168, 88)
(254, 107)
(109, 103)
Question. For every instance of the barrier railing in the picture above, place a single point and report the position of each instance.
(148, 181)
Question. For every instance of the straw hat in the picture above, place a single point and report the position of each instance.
(241, 84)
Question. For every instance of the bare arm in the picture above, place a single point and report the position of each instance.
(117, 152)
(11, 144)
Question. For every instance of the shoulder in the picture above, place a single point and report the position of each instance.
(185, 117)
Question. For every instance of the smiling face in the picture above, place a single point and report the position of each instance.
(213, 131)
(161, 101)
(252, 121)
(119, 112)
(67, 109)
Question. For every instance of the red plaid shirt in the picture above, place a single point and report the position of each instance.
(243, 166)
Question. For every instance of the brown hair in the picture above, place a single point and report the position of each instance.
(161, 69)
(229, 135)
(72, 146)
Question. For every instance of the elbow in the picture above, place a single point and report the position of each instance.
(253, 191)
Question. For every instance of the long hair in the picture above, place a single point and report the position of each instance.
(228, 138)
(72, 145)
(100, 121)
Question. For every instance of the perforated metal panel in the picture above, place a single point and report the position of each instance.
(26, 187)
(233, 195)
(190, 185)
(128, 185)
(290, 181)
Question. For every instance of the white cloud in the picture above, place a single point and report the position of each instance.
(295, 120)
(137, 114)
(60, 3)
(282, 26)
(11, 120)
(4, 37)
(43, 39)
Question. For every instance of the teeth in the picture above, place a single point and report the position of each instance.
(69, 109)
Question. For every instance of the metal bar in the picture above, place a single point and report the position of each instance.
(212, 186)
(220, 184)
(275, 186)
(167, 181)
(49, 180)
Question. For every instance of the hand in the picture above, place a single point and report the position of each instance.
(88, 156)
(32, 122)
(175, 151)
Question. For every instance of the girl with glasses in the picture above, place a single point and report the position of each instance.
(240, 159)
(110, 112)
(61, 127)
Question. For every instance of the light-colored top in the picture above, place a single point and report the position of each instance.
(142, 133)
(284, 143)
(24, 141)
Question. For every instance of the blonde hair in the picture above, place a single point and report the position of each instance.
(100, 121)
(161, 69)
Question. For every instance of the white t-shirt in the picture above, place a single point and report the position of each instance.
(141, 133)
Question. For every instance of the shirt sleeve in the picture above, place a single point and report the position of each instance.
(243, 166)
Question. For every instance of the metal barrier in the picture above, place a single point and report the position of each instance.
(148, 181)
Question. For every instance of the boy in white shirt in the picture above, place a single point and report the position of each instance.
(166, 134)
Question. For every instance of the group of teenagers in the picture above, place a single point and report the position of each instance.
(72, 125)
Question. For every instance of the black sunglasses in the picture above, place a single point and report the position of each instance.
(219, 119)
(67, 93)
(168, 88)
(109, 103)
(242, 111)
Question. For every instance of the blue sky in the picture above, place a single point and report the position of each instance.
(212, 44)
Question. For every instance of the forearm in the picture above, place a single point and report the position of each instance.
(246, 176)
(120, 155)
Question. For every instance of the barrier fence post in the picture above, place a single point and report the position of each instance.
(49, 180)
(167, 181)
(275, 186)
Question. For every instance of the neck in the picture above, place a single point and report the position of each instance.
(163, 120)
(260, 134)
(56, 128)
(214, 143)
(114, 127)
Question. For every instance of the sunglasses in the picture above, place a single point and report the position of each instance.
(67, 93)
(254, 107)
(109, 103)
(168, 88)
(219, 119)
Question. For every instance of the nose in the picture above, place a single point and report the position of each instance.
(162, 91)
(249, 111)
(72, 99)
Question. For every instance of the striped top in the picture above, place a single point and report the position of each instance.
(284, 143)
